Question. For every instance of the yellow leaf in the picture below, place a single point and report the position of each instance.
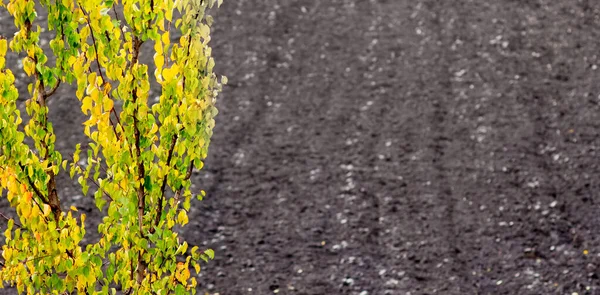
(169, 14)
(35, 212)
(71, 60)
(92, 79)
(107, 87)
(158, 48)
(47, 210)
(204, 31)
(182, 218)
(165, 38)
(28, 197)
(159, 61)
(25, 211)
(107, 104)
(183, 273)
(73, 208)
(28, 66)
(86, 104)
(3, 46)
(154, 129)
(169, 73)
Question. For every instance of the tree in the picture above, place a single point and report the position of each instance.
(140, 157)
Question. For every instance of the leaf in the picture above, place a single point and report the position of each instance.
(28, 66)
(143, 243)
(165, 38)
(3, 46)
(107, 104)
(86, 271)
(169, 73)
(159, 61)
(180, 290)
(47, 210)
(25, 211)
(86, 104)
(182, 218)
(210, 253)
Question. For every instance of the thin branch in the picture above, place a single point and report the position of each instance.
(87, 19)
(37, 191)
(159, 208)
(41, 209)
(38, 258)
(120, 24)
(103, 191)
(137, 43)
(188, 174)
(112, 110)
(93, 181)
(140, 165)
(52, 199)
(32, 184)
(116, 116)
(48, 94)
(167, 59)
(112, 124)
(130, 290)
(7, 219)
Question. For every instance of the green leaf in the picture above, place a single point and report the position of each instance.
(142, 243)
(86, 271)
(210, 253)
(180, 290)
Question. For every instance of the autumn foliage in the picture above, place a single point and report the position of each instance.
(141, 152)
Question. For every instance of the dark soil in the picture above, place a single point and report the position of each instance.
(399, 147)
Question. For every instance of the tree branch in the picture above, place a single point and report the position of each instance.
(141, 196)
(53, 199)
(93, 181)
(120, 24)
(163, 187)
(7, 219)
(160, 206)
(87, 19)
(32, 185)
(48, 94)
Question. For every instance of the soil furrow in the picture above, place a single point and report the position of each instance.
(441, 134)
